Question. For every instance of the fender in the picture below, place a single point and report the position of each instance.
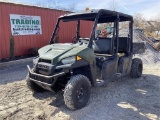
(91, 71)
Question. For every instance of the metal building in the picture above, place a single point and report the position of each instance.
(9, 14)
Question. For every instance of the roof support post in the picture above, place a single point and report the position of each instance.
(131, 35)
(116, 40)
(54, 32)
(77, 31)
(92, 37)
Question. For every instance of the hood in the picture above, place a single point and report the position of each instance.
(51, 51)
(56, 52)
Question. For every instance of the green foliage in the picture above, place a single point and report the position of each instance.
(12, 48)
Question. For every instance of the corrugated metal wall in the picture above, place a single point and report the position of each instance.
(24, 42)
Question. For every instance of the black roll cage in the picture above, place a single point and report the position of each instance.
(99, 16)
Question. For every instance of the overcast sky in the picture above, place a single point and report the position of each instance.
(149, 8)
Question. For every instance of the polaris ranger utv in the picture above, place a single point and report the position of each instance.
(75, 67)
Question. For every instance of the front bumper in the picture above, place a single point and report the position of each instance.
(42, 80)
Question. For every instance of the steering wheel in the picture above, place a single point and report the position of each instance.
(83, 40)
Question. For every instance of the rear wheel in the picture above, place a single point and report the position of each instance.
(136, 68)
(77, 92)
(33, 86)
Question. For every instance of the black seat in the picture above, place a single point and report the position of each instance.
(103, 46)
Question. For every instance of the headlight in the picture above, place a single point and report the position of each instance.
(78, 58)
(69, 60)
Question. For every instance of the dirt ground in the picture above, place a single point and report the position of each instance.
(122, 99)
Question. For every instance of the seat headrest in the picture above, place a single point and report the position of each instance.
(102, 46)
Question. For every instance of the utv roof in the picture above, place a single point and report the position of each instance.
(105, 16)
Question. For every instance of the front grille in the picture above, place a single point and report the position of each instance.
(44, 68)
(43, 71)
(42, 79)
(45, 61)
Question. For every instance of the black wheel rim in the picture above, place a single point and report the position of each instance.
(80, 94)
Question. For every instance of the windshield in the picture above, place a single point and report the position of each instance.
(69, 32)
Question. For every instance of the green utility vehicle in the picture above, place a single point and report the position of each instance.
(75, 67)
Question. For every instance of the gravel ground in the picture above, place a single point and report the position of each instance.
(123, 99)
(150, 56)
(14, 73)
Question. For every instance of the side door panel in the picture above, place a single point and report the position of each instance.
(109, 68)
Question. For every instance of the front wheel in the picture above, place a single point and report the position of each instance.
(77, 92)
(136, 68)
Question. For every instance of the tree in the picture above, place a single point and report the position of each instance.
(139, 20)
(157, 24)
(113, 5)
(149, 28)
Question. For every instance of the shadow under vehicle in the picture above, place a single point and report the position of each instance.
(94, 61)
